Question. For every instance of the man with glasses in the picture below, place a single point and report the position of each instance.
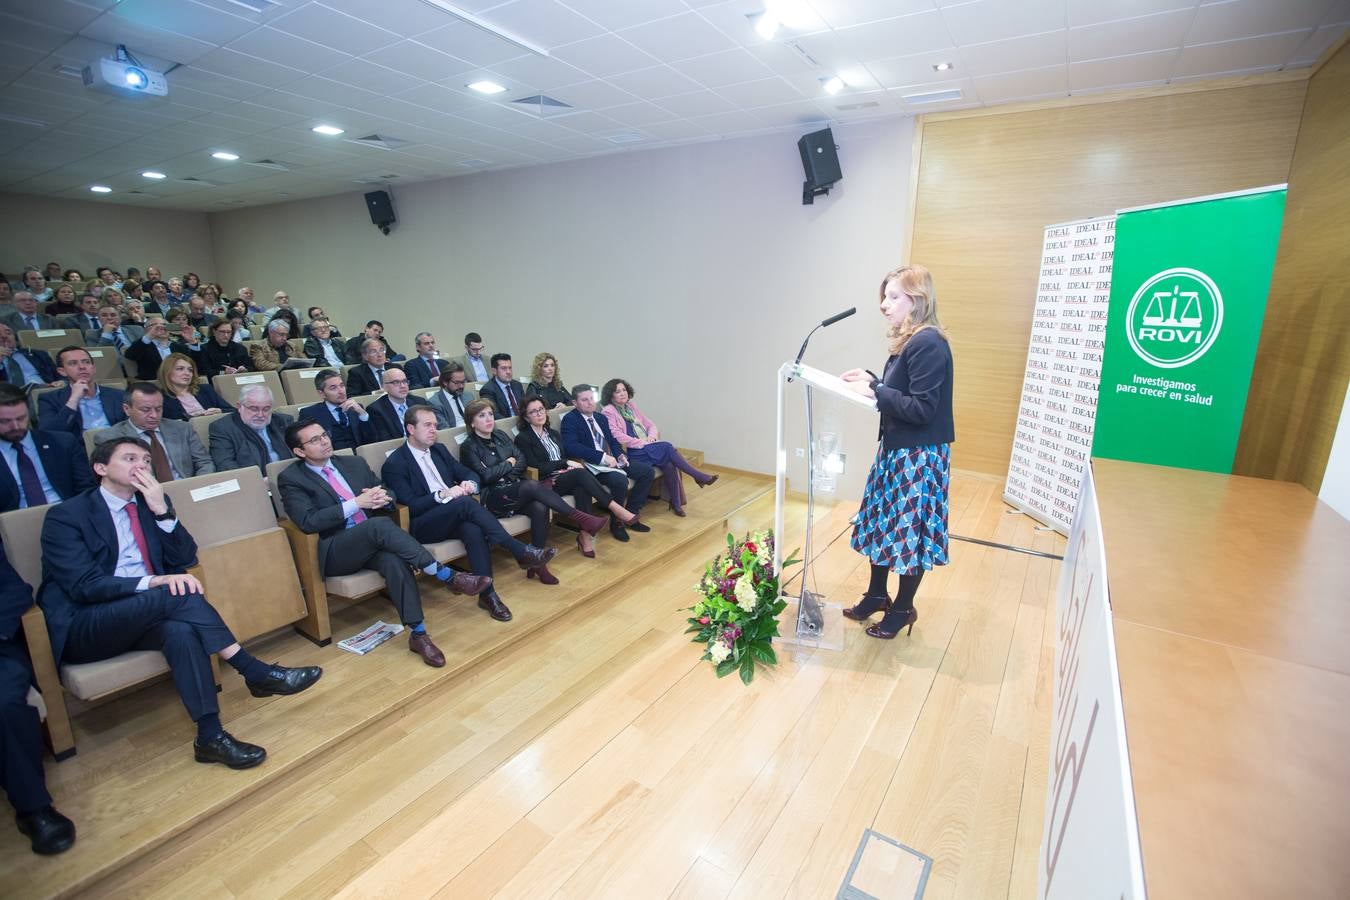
(321, 346)
(474, 365)
(25, 315)
(315, 315)
(280, 300)
(386, 413)
(365, 378)
(340, 499)
(451, 399)
(25, 368)
(374, 331)
(252, 436)
(154, 346)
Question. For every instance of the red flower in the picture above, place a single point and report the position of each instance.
(750, 545)
(703, 620)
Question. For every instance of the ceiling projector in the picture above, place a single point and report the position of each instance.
(124, 76)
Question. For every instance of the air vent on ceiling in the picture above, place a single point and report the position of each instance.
(379, 141)
(626, 137)
(806, 56)
(543, 106)
(866, 104)
(270, 164)
(198, 181)
(376, 179)
(934, 96)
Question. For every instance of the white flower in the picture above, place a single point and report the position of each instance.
(745, 593)
(718, 649)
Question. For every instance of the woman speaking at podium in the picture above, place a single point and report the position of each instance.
(902, 524)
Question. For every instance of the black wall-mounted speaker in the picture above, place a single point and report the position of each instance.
(381, 209)
(820, 162)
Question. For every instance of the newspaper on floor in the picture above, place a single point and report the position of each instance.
(372, 637)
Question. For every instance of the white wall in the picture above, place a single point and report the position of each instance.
(694, 271)
(1336, 482)
(85, 235)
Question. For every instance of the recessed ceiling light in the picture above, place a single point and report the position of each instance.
(832, 85)
(765, 24)
(486, 87)
(330, 130)
(225, 155)
(100, 189)
(942, 67)
(156, 176)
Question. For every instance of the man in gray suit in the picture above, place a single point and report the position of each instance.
(175, 450)
(474, 361)
(25, 315)
(453, 395)
(252, 436)
(111, 332)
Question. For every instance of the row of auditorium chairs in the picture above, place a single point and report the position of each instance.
(259, 570)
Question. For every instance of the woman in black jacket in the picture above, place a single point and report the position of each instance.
(902, 524)
(221, 353)
(505, 490)
(542, 448)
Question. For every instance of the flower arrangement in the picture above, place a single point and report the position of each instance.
(736, 617)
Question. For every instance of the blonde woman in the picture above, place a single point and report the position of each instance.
(546, 382)
(186, 394)
(901, 526)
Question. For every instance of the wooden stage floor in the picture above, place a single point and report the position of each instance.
(584, 750)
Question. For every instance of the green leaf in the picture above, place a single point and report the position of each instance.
(725, 667)
(747, 670)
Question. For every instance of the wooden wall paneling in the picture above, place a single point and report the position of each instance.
(989, 183)
(1303, 360)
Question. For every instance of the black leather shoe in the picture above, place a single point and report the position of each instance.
(620, 532)
(494, 607)
(536, 556)
(639, 527)
(51, 832)
(282, 680)
(223, 748)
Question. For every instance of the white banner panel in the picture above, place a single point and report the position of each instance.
(1064, 364)
(1090, 843)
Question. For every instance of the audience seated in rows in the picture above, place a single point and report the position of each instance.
(642, 442)
(186, 393)
(25, 368)
(502, 391)
(252, 436)
(175, 450)
(343, 417)
(40, 466)
(387, 412)
(586, 437)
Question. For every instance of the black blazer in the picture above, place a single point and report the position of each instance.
(577, 442)
(79, 556)
(39, 359)
(314, 349)
(536, 456)
(549, 394)
(235, 446)
(419, 371)
(344, 437)
(213, 358)
(312, 504)
(147, 358)
(404, 478)
(492, 392)
(64, 462)
(361, 380)
(915, 394)
(385, 425)
(15, 598)
(489, 459)
(206, 396)
(354, 350)
(55, 416)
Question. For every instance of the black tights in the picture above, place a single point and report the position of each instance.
(904, 594)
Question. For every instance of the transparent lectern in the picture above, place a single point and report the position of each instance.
(826, 402)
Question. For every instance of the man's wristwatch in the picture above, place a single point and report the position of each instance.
(168, 512)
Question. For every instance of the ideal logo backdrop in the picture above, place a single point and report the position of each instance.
(1188, 295)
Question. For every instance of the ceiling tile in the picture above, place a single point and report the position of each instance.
(1157, 32)
(1030, 52)
(605, 55)
(406, 18)
(698, 103)
(1248, 18)
(1237, 56)
(843, 13)
(913, 69)
(1138, 68)
(679, 37)
(34, 36)
(146, 40)
(916, 33)
(365, 74)
(679, 130)
(1318, 43)
(1090, 12)
(546, 23)
(803, 112)
(293, 103)
(62, 15)
(287, 50)
(182, 17)
(765, 92)
(540, 72)
(247, 68)
(418, 60)
(439, 97)
(727, 67)
(996, 20)
(729, 123)
(637, 114)
(195, 79)
(654, 82)
(592, 95)
(473, 45)
(616, 16)
(328, 27)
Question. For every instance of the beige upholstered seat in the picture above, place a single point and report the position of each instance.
(107, 367)
(50, 340)
(229, 386)
(299, 385)
(202, 425)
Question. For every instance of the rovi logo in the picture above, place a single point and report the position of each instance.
(1174, 317)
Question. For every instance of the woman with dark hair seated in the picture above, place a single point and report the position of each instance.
(505, 490)
(542, 448)
(546, 382)
(221, 354)
(63, 301)
(186, 394)
(641, 441)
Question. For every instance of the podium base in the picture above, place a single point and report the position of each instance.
(830, 635)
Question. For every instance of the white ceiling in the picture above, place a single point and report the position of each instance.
(657, 72)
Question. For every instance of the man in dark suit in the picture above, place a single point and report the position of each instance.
(23, 368)
(366, 376)
(323, 345)
(386, 413)
(114, 562)
(87, 318)
(345, 420)
(21, 729)
(426, 367)
(111, 332)
(337, 497)
(154, 346)
(175, 450)
(586, 436)
(374, 331)
(40, 466)
(83, 403)
(505, 393)
(25, 315)
(439, 490)
(252, 436)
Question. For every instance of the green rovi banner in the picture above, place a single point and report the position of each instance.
(1188, 293)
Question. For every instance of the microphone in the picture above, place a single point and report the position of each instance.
(837, 316)
(830, 321)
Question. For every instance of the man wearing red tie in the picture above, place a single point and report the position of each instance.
(114, 579)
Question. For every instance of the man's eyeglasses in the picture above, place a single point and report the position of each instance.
(320, 438)
(257, 410)
(396, 381)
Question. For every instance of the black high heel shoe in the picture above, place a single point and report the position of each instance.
(868, 606)
(892, 622)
